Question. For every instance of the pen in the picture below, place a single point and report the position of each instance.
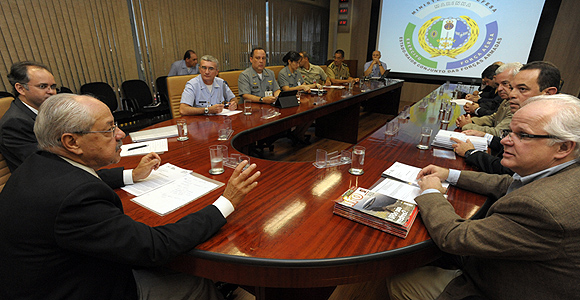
(138, 147)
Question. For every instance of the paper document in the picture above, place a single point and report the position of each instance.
(442, 139)
(398, 190)
(177, 193)
(157, 146)
(227, 112)
(333, 87)
(153, 134)
(405, 173)
(165, 174)
(461, 101)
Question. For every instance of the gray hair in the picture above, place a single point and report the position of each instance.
(212, 59)
(564, 122)
(513, 66)
(60, 114)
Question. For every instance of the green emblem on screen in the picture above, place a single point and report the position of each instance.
(448, 36)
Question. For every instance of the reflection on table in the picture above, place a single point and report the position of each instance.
(284, 234)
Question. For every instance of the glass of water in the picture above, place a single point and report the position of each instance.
(425, 138)
(217, 160)
(357, 161)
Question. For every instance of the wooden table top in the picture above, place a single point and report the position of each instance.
(284, 234)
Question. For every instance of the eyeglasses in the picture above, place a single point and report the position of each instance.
(525, 136)
(112, 130)
(42, 86)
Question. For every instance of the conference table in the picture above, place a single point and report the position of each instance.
(283, 241)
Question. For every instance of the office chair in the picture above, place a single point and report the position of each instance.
(128, 120)
(64, 89)
(5, 94)
(138, 92)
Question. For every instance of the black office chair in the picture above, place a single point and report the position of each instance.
(5, 94)
(64, 89)
(127, 119)
(161, 85)
(138, 92)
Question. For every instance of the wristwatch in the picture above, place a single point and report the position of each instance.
(261, 99)
(206, 110)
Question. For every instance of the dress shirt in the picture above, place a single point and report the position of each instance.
(334, 72)
(180, 68)
(376, 72)
(196, 93)
(286, 78)
(315, 73)
(250, 83)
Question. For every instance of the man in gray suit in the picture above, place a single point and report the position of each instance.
(526, 247)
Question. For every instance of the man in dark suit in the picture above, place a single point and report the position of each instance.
(526, 247)
(33, 84)
(63, 233)
(533, 79)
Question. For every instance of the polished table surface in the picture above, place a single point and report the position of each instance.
(284, 233)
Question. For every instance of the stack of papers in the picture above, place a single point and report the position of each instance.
(169, 188)
(154, 134)
(157, 146)
(442, 139)
(461, 101)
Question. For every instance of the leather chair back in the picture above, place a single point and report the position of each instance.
(276, 69)
(231, 77)
(175, 87)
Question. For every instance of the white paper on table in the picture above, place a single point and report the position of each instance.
(157, 146)
(398, 190)
(176, 194)
(334, 86)
(461, 101)
(442, 139)
(406, 173)
(227, 112)
(153, 134)
(165, 174)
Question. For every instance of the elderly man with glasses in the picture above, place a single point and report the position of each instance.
(33, 83)
(526, 247)
(63, 233)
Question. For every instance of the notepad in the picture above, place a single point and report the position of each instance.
(154, 134)
(142, 148)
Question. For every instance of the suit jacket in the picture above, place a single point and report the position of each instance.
(488, 163)
(527, 245)
(63, 235)
(488, 105)
(18, 141)
(494, 123)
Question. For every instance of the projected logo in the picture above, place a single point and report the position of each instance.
(453, 43)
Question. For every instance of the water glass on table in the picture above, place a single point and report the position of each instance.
(217, 159)
(358, 160)
(247, 107)
(182, 130)
(425, 138)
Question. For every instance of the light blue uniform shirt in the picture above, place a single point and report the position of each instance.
(180, 68)
(376, 70)
(196, 93)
